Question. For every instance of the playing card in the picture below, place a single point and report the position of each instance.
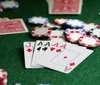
(54, 49)
(76, 61)
(62, 61)
(43, 49)
(12, 26)
(28, 52)
(66, 7)
(38, 46)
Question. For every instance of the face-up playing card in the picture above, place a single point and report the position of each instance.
(54, 49)
(12, 26)
(66, 6)
(28, 52)
(67, 60)
(44, 48)
(38, 46)
(76, 61)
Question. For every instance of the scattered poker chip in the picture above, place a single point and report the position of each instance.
(89, 41)
(74, 23)
(60, 21)
(3, 77)
(74, 35)
(95, 32)
(56, 39)
(42, 31)
(68, 30)
(38, 20)
(53, 26)
(9, 4)
(56, 33)
(89, 26)
(1, 9)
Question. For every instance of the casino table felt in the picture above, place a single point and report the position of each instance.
(12, 54)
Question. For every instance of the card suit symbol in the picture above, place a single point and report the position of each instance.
(38, 48)
(52, 48)
(29, 50)
(72, 64)
(58, 50)
(45, 48)
(65, 57)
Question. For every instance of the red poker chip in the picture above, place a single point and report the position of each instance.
(3, 77)
(41, 31)
(59, 21)
(74, 35)
(55, 37)
(89, 41)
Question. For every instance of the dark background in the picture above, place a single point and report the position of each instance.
(12, 55)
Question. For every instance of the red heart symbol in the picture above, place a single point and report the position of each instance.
(52, 48)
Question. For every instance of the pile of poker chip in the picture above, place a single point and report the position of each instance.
(73, 30)
(11, 4)
(3, 77)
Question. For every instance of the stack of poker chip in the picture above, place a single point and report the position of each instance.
(74, 30)
(3, 77)
(12, 4)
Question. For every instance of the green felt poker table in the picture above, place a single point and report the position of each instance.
(12, 54)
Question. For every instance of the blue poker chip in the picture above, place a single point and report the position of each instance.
(68, 30)
(9, 4)
(38, 20)
(75, 23)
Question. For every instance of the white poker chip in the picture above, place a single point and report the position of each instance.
(74, 35)
(59, 21)
(38, 20)
(89, 26)
(75, 23)
(41, 31)
(53, 25)
(95, 32)
(89, 41)
(56, 33)
(9, 4)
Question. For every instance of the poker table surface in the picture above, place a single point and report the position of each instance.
(12, 54)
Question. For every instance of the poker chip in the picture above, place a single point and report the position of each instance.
(3, 77)
(42, 31)
(53, 26)
(38, 20)
(60, 21)
(89, 26)
(55, 39)
(56, 33)
(89, 41)
(95, 32)
(9, 4)
(68, 30)
(74, 23)
(1, 9)
(74, 35)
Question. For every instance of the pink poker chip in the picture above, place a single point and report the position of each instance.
(89, 41)
(3, 77)
(74, 35)
(41, 31)
(59, 21)
(1, 10)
